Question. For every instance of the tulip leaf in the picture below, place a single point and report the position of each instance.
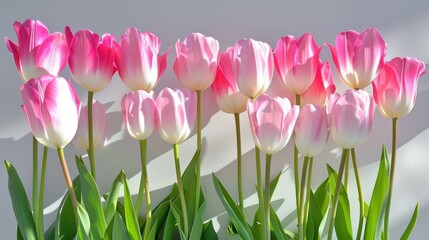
(343, 222)
(236, 215)
(112, 199)
(19, 234)
(197, 227)
(274, 183)
(315, 217)
(411, 224)
(178, 215)
(376, 207)
(276, 225)
(50, 232)
(20, 204)
(169, 226)
(152, 232)
(208, 231)
(84, 228)
(159, 215)
(130, 216)
(91, 200)
(119, 230)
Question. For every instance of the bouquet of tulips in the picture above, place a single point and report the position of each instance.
(239, 77)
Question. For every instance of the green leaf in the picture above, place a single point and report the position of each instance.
(65, 222)
(160, 214)
(315, 216)
(276, 225)
(152, 233)
(178, 215)
(197, 227)
(119, 230)
(322, 197)
(83, 231)
(365, 209)
(130, 216)
(19, 234)
(50, 232)
(112, 199)
(91, 200)
(169, 226)
(236, 215)
(233, 236)
(20, 204)
(410, 226)
(208, 231)
(376, 208)
(343, 222)
(274, 183)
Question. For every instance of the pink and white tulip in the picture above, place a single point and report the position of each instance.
(253, 66)
(80, 140)
(52, 108)
(351, 117)
(296, 61)
(37, 52)
(91, 59)
(395, 89)
(139, 113)
(139, 62)
(196, 62)
(359, 57)
(272, 121)
(311, 130)
(321, 88)
(225, 90)
(176, 114)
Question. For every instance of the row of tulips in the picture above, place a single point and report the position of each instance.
(239, 78)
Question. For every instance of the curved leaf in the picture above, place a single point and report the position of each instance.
(410, 226)
(112, 199)
(130, 216)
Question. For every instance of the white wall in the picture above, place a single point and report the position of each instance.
(402, 24)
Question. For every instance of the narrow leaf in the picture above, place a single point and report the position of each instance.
(84, 227)
(112, 199)
(119, 230)
(276, 225)
(130, 216)
(410, 226)
(343, 223)
(152, 233)
(169, 226)
(208, 231)
(197, 227)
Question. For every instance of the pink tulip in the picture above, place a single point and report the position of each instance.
(91, 59)
(140, 65)
(272, 121)
(176, 114)
(196, 62)
(311, 130)
(359, 57)
(139, 111)
(225, 90)
(395, 89)
(253, 66)
(351, 117)
(296, 62)
(38, 52)
(52, 108)
(80, 140)
(322, 87)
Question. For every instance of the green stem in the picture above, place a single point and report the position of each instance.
(361, 200)
(337, 192)
(301, 199)
(35, 185)
(259, 189)
(267, 196)
(198, 167)
(239, 178)
(296, 171)
(42, 191)
(91, 135)
(181, 191)
(307, 197)
(144, 186)
(346, 175)
(68, 182)
(392, 177)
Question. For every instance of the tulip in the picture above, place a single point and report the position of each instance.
(225, 90)
(359, 57)
(321, 88)
(139, 111)
(52, 108)
(351, 118)
(38, 52)
(272, 121)
(311, 130)
(91, 59)
(296, 62)
(253, 66)
(80, 140)
(176, 114)
(395, 89)
(139, 63)
(196, 62)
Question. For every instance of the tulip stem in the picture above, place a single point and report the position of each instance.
(361, 200)
(91, 134)
(239, 178)
(259, 189)
(35, 186)
(392, 176)
(307, 197)
(296, 170)
(346, 175)
(144, 184)
(68, 182)
(301, 198)
(180, 188)
(198, 170)
(42, 191)
(337, 192)
(267, 195)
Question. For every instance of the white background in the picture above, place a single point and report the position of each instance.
(403, 24)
